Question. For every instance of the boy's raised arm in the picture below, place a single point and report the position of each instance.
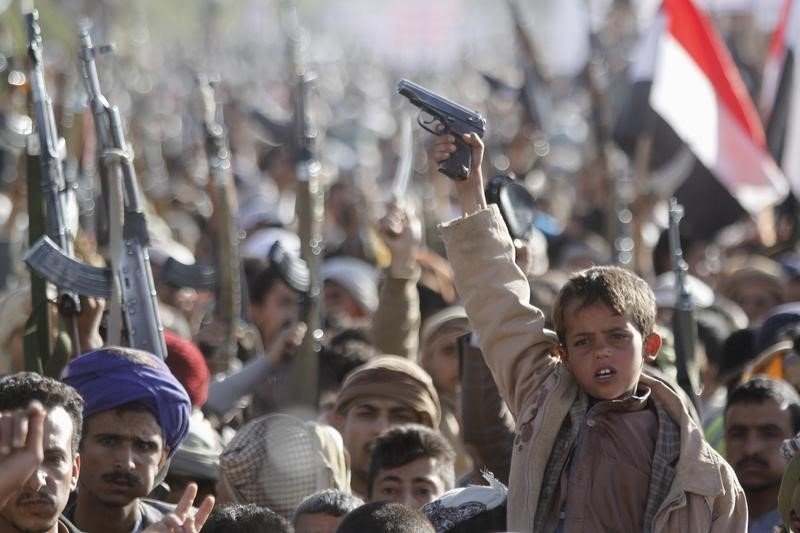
(495, 291)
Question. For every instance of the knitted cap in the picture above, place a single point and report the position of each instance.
(396, 378)
(187, 364)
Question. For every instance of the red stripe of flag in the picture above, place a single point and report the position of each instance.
(692, 29)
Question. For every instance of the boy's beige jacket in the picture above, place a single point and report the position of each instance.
(705, 494)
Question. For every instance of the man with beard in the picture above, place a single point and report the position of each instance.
(760, 414)
(135, 416)
(40, 471)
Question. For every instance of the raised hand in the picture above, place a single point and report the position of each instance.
(286, 344)
(21, 447)
(470, 191)
(401, 232)
(182, 519)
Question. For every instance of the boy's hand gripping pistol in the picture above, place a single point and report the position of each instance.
(454, 119)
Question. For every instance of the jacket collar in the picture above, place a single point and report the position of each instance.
(698, 467)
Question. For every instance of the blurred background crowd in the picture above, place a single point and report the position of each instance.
(552, 80)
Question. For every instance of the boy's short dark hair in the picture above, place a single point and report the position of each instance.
(761, 388)
(401, 445)
(18, 390)
(330, 502)
(245, 518)
(618, 288)
(385, 517)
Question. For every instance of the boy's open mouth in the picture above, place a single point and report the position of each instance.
(605, 373)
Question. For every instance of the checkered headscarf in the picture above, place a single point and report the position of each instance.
(277, 460)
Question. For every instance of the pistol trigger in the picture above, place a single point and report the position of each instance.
(428, 122)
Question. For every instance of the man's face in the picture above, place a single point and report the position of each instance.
(367, 418)
(604, 351)
(279, 308)
(756, 297)
(442, 364)
(317, 523)
(754, 432)
(122, 453)
(37, 505)
(339, 301)
(413, 484)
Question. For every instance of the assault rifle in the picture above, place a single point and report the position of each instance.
(224, 277)
(309, 208)
(129, 281)
(684, 326)
(57, 196)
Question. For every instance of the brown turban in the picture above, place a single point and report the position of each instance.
(391, 376)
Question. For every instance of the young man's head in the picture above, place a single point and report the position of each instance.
(275, 292)
(135, 415)
(439, 347)
(760, 414)
(385, 517)
(245, 518)
(38, 504)
(323, 511)
(386, 392)
(604, 318)
(350, 288)
(412, 465)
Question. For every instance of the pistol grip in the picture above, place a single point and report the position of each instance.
(456, 166)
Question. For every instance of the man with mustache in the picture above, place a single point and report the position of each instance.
(49, 472)
(135, 415)
(760, 414)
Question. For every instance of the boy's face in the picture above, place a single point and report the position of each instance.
(604, 351)
(369, 417)
(281, 306)
(414, 484)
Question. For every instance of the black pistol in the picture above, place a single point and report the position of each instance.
(455, 119)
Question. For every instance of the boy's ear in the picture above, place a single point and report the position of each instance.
(560, 352)
(652, 344)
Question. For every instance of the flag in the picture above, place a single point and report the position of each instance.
(780, 94)
(697, 90)
(673, 170)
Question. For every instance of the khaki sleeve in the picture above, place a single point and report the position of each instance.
(396, 322)
(496, 296)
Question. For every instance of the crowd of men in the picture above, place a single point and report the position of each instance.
(477, 360)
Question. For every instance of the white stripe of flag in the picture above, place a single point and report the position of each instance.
(698, 91)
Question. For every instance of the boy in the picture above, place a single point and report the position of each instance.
(410, 464)
(599, 445)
